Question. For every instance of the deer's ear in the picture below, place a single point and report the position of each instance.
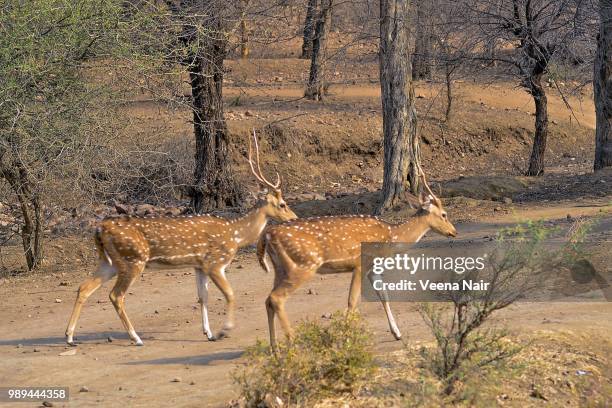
(412, 200)
(425, 201)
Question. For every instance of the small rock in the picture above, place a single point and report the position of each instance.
(122, 208)
(36, 350)
(110, 339)
(326, 316)
(70, 352)
(248, 113)
(19, 345)
(58, 300)
(47, 404)
(311, 292)
(569, 217)
(176, 379)
(239, 266)
(497, 209)
(156, 312)
(191, 382)
(507, 200)
(84, 389)
(64, 283)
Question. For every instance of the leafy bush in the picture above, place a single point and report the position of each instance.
(318, 362)
(519, 264)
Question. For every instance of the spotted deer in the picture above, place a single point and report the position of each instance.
(208, 243)
(301, 248)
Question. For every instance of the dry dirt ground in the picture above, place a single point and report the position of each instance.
(332, 149)
(164, 310)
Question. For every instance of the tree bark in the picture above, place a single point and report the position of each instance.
(421, 59)
(449, 93)
(316, 80)
(602, 85)
(244, 39)
(309, 29)
(536, 162)
(30, 206)
(244, 30)
(401, 144)
(214, 184)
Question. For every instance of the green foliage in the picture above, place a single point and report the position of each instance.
(318, 362)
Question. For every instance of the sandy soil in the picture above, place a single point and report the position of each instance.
(164, 310)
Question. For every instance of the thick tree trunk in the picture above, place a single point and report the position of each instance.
(316, 81)
(214, 185)
(536, 162)
(401, 144)
(421, 59)
(602, 85)
(30, 207)
(309, 29)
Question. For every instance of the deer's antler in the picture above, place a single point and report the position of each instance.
(425, 185)
(257, 172)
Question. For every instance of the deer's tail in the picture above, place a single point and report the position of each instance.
(100, 246)
(262, 245)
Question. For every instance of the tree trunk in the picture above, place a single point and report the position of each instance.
(30, 206)
(421, 59)
(214, 185)
(401, 144)
(244, 30)
(244, 39)
(449, 93)
(309, 29)
(316, 81)
(602, 85)
(536, 162)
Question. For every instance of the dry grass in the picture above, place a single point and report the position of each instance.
(553, 369)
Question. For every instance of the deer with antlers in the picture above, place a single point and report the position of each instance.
(301, 248)
(208, 243)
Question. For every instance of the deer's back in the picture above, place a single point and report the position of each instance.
(172, 240)
(327, 240)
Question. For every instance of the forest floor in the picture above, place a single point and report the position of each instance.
(331, 156)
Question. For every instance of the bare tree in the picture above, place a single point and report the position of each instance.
(309, 29)
(316, 80)
(602, 86)
(421, 59)
(453, 47)
(206, 26)
(542, 33)
(244, 32)
(401, 144)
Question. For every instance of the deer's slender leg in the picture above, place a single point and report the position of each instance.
(128, 272)
(384, 299)
(275, 303)
(355, 291)
(217, 274)
(104, 273)
(202, 284)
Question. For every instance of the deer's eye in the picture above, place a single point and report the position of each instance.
(282, 205)
(444, 215)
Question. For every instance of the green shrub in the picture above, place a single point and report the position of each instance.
(319, 361)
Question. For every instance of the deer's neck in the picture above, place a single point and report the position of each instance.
(248, 228)
(410, 231)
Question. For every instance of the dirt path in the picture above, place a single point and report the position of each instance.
(164, 310)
